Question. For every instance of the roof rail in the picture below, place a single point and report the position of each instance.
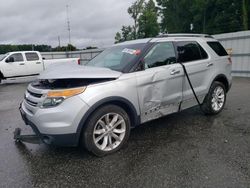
(184, 35)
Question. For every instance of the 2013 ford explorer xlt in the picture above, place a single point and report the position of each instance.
(128, 84)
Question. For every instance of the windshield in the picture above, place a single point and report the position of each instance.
(117, 57)
(3, 56)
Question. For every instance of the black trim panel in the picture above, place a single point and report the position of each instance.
(241, 71)
(22, 76)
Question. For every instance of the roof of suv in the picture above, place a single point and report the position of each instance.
(178, 36)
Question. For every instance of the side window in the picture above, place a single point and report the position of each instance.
(17, 57)
(31, 56)
(161, 54)
(190, 51)
(203, 53)
(218, 48)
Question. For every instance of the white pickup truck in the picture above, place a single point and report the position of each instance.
(27, 63)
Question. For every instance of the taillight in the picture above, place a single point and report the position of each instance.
(229, 60)
(79, 62)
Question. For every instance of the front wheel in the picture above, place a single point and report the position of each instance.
(215, 100)
(107, 130)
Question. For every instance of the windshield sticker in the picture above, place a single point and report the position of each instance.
(131, 51)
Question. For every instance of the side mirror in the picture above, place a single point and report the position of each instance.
(43, 58)
(10, 60)
(141, 66)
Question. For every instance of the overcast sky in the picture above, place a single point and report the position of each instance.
(93, 22)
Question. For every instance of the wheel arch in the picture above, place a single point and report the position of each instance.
(119, 101)
(223, 79)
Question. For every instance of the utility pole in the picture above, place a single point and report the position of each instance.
(59, 41)
(68, 23)
(59, 44)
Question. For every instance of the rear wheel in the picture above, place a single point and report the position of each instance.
(107, 130)
(215, 100)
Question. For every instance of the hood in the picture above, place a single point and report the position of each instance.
(77, 71)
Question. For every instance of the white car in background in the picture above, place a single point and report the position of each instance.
(27, 63)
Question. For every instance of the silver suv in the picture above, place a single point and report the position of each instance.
(131, 83)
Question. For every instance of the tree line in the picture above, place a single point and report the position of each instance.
(185, 16)
(5, 48)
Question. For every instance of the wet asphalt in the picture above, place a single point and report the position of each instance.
(186, 149)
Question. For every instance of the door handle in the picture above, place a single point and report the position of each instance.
(210, 64)
(38, 62)
(173, 72)
(21, 63)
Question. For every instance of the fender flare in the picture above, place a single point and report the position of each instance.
(223, 79)
(120, 101)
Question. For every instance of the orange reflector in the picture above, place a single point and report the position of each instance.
(66, 93)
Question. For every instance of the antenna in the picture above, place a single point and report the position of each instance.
(68, 23)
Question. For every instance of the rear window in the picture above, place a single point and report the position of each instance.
(190, 51)
(218, 48)
(31, 56)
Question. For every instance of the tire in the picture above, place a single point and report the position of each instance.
(106, 131)
(1, 77)
(215, 100)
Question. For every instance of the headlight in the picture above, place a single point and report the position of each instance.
(56, 97)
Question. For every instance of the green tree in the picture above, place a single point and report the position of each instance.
(148, 25)
(135, 11)
(91, 47)
(69, 47)
(245, 13)
(127, 33)
(208, 16)
(4, 48)
(118, 37)
(224, 16)
(176, 16)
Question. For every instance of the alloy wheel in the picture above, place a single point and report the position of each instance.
(109, 131)
(218, 98)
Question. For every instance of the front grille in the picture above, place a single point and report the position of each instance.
(35, 94)
(31, 102)
(33, 97)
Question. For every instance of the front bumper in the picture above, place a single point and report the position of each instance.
(50, 139)
(58, 125)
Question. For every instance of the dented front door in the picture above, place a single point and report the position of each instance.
(159, 86)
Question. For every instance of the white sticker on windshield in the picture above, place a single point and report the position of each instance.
(131, 51)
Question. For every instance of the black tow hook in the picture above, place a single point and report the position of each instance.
(33, 139)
